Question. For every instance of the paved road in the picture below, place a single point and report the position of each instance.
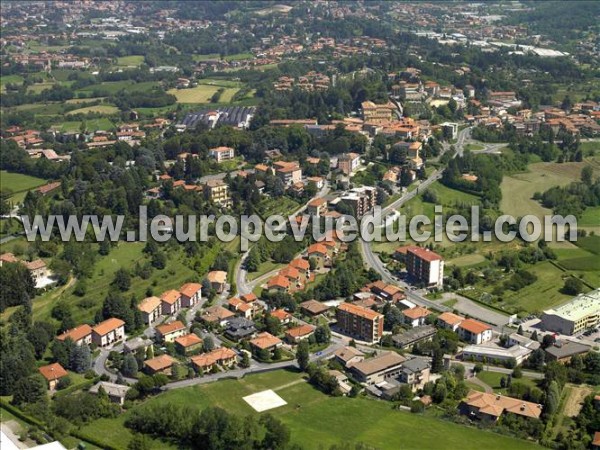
(242, 285)
(526, 373)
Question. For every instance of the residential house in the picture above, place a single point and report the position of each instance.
(316, 207)
(282, 315)
(415, 372)
(265, 341)
(414, 336)
(449, 321)
(160, 364)
(168, 332)
(217, 191)
(474, 332)
(53, 373)
(288, 172)
(342, 381)
(313, 308)
(387, 365)
(386, 292)
(415, 317)
(217, 315)
(108, 332)
(217, 280)
(348, 356)
(299, 333)
(80, 335)
(188, 344)
(320, 254)
(302, 265)
(222, 153)
(239, 328)
(359, 322)
(278, 283)
(170, 302)
(116, 392)
(150, 308)
(191, 294)
(223, 356)
(240, 307)
(490, 407)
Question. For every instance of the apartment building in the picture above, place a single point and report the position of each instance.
(348, 163)
(288, 172)
(359, 322)
(108, 332)
(361, 200)
(217, 191)
(580, 313)
(222, 153)
(373, 112)
(426, 266)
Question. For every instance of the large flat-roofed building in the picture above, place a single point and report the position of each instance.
(578, 314)
(375, 370)
(359, 322)
(426, 266)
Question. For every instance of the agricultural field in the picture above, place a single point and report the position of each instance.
(10, 79)
(202, 94)
(19, 184)
(39, 87)
(90, 124)
(112, 87)
(317, 420)
(98, 109)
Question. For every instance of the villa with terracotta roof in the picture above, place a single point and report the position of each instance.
(490, 407)
(359, 322)
(278, 283)
(299, 333)
(249, 298)
(170, 331)
(217, 280)
(170, 302)
(223, 356)
(415, 316)
(474, 332)
(244, 309)
(108, 332)
(150, 308)
(53, 373)
(449, 321)
(188, 344)
(265, 341)
(319, 252)
(282, 315)
(300, 264)
(160, 364)
(191, 293)
(293, 274)
(222, 153)
(80, 335)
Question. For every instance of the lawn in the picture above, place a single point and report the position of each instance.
(125, 255)
(112, 87)
(74, 126)
(132, 60)
(518, 189)
(282, 205)
(590, 217)
(264, 268)
(208, 57)
(100, 109)
(18, 183)
(472, 147)
(492, 379)
(319, 421)
(202, 94)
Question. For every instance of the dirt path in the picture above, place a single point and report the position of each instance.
(575, 400)
(478, 382)
(283, 386)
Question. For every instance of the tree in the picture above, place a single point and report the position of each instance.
(17, 285)
(272, 325)
(478, 368)
(573, 286)
(277, 435)
(208, 344)
(552, 399)
(130, 366)
(29, 390)
(245, 362)
(122, 280)
(437, 363)
(303, 355)
(139, 442)
(277, 354)
(323, 334)
(548, 341)
(40, 335)
(61, 351)
(587, 174)
(81, 359)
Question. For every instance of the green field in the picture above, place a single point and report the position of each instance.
(10, 79)
(91, 125)
(112, 87)
(99, 109)
(518, 189)
(132, 60)
(492, 379)
(202, 94)
(264, 268)
(18, 183)
(39, 87)
(590, 217)
(319, 421)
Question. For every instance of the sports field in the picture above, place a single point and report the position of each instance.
(319, 421)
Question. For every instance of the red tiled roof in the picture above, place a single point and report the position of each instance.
(474, 326)
(300, 331)
(76, 333)
(424, 254)
(107, 326)
(280, 314)
(359, 311)
(188, 340)
(53, 371)
(317, 248)
(170, 296)
(149, 304)
(300, 264)
(190, 289)
(279, 281)
(159, 363)
(170, 327)
(265, 340)
(416, 313)
(450, 318)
